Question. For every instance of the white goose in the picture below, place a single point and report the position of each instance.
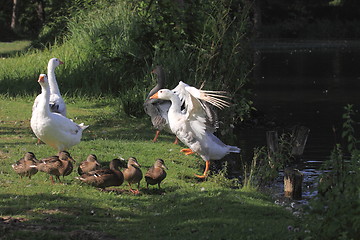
(56, 102)
(192, 125)
(52, 128)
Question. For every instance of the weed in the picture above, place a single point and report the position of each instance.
(336, 209)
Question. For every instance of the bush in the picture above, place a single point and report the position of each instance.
(335, 212)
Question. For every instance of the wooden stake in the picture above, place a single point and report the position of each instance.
(293, 183)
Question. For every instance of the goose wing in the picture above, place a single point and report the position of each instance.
(207, 100)
(198, 104)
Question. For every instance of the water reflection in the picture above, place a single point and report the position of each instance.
(303, 85)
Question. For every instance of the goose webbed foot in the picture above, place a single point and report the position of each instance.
(187, 151)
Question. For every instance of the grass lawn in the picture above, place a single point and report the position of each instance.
(7, 48)
(185, 207)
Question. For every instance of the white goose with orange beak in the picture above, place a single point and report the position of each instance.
(52, 128)
(56, 101)
(191, 125)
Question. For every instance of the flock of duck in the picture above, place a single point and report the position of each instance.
(185, 111)
(90, 170)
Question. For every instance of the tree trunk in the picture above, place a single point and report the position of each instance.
(257, 18)
(40, 11)
(14, 15)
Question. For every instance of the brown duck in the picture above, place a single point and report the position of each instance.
(103, 178)
(133, 174)
(26, 166)
(61, 165)
(156, 173)
(90, 164)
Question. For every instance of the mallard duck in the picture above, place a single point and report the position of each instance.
(103, 178)
(53, 129)
(90, 164)
(61, 165)
(25, 166)
(158, 109)
(192, 125)
(156, 173)
(56, 102)
(133, 174)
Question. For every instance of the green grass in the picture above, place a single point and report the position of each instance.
(185, 208)
(8, 48)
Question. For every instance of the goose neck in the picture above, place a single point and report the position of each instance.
(175, 104)
(52, 80)
(44, 103)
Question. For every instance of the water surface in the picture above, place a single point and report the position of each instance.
(303, 84)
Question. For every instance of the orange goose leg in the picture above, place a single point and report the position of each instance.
(207, 166)
(156, 135)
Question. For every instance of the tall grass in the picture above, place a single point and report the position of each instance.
(112, 48)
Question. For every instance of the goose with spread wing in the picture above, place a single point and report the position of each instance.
(56, 101)
(192, 125)
(158, 109)
(52, 128)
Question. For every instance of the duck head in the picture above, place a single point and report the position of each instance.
(64, 155)
(92, 158)
(159, 163)
(30, 156)
(133, 162)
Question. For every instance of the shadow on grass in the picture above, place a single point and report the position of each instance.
(113, 127)
(168, 213)
(55, 215)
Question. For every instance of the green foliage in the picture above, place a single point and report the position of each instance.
(110, 47)
(266, 163)
(335, 212)
(348, 132)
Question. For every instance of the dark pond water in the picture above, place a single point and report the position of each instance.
(308, 84)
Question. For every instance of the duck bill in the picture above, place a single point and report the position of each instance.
(155, 96)
(164, 167)
(61, 62)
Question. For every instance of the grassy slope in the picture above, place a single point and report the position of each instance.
(185, 208)
(7, 48)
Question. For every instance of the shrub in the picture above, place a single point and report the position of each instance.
(335, 212)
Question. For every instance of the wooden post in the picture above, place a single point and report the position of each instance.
(293, 183)
(300, 135)
(272, 140)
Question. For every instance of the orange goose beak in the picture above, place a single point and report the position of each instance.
(41, 79)
(155, 96)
